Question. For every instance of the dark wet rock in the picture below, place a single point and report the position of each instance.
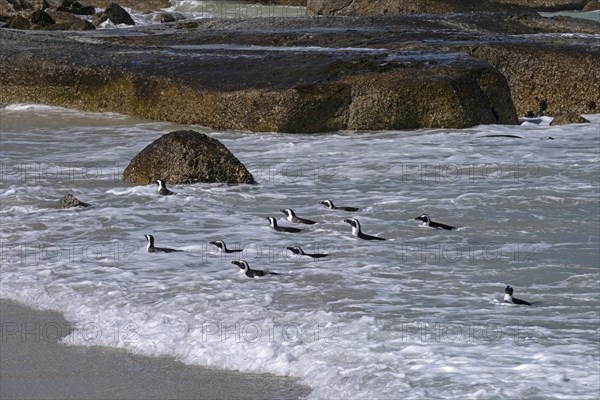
(41, 18)
(71, 201)
(116, 14)
(592, 6)
(75, 7)
(166, 18)
(186, 157)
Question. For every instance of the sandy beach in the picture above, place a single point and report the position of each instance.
(35, 365)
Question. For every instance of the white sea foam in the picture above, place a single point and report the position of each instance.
(416, 316)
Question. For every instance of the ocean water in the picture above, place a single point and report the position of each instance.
(419, 315)
(193, 9)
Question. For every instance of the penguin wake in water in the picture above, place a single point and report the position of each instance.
(251, 273)
(291, 216)
(508, 297)
(162, 188)
(329, 204)
(297, 250)
(428, 222)
(356, 232)
(223, 247)
(273, 223)
(151, 249)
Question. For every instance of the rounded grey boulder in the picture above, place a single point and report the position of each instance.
(186, 157)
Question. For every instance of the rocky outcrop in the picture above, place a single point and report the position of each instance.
(51, 20)
(71, 201)
(41, 18)
(544, 4)
(592, 6)
(382, 7)
(316, 74)
(314, 91)
(115, 14)
(40, 14)
(546, 75)
(186, 157)
(69, 22)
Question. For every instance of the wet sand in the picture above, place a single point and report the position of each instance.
(35, 365)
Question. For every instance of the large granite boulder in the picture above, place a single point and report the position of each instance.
(381, 7)
(70, 22)
(551, 74)
(545, 4)
(457, 95)
(592, 6)
(186, 157)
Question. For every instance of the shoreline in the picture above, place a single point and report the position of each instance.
(35, 365)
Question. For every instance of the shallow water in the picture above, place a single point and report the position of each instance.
(418, 315)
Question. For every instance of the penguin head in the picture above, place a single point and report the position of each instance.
(289, 212)
(242, 264)
(327, 203)
(150, 239)
(219, 243)
(424, 218)
(354, 224)
(295, 249)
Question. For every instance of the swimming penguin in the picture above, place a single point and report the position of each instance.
(162, 188)
(427, 221)
(278, 228)
(252, 273)
(223, 247)
(508, 298)
(330, 205)
(291, 216)
(297, 250)
(152, 249)
(357, 232)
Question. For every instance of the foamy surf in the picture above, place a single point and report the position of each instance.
(416, 316)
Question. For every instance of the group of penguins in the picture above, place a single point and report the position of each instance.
(291, 216)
